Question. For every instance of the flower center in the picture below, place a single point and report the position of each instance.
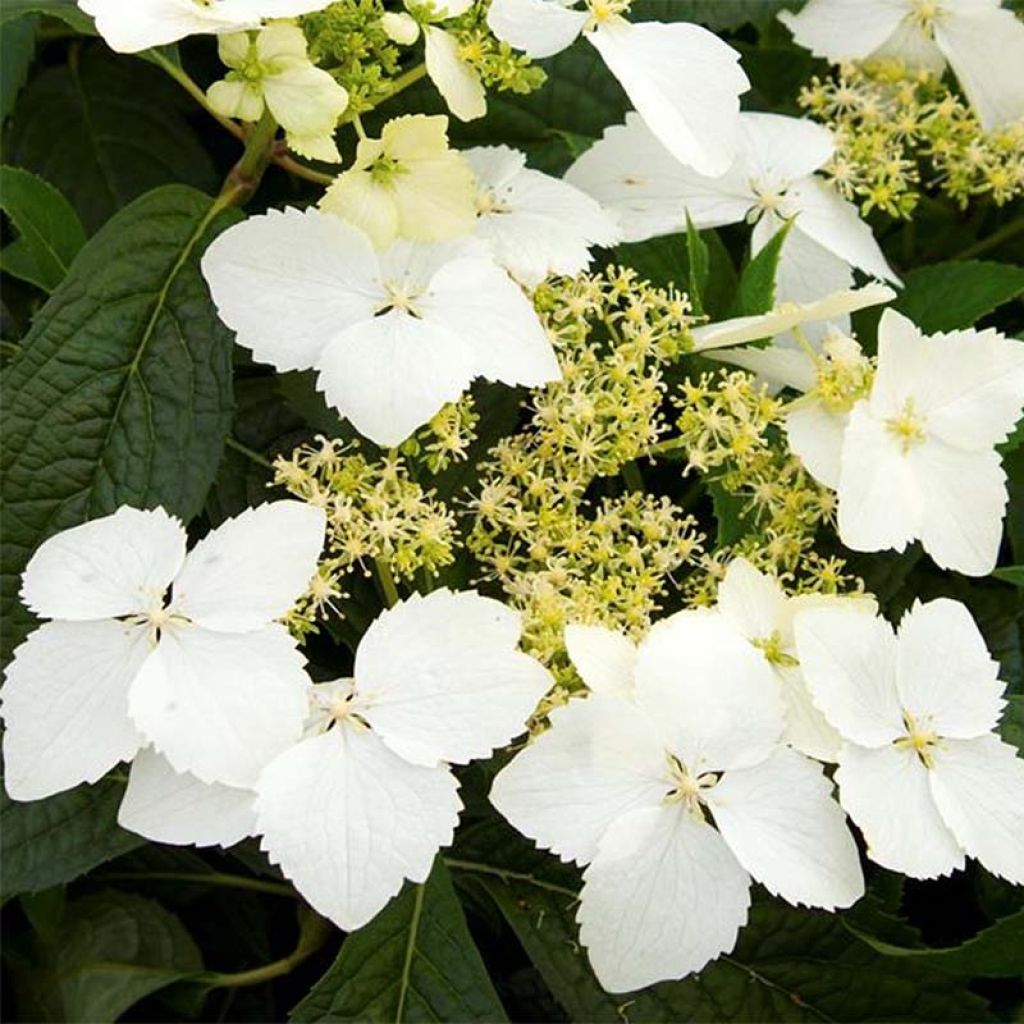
(337, 704)
(488, 202)
(924, 14)
(907, 427)
(919, 738)
(689, 790)
(385, 169)
(605, 10)
(768, 197)
(401, 295)
(772, 648)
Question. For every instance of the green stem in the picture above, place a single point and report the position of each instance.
(1004, 234)
(410, 949)
(506, 876)
(219, 879)
(230, 442)
(314, 931)
(195, 91)
(387, 582)
(674, 444)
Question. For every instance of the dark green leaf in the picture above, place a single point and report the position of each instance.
(415, 961)
(17, 48)
(67, 11)
(47, 842)
(951, 296)
(789, 965)
(50, 233)
(996, 952)
(1011, 574)
(697, 258)
(104, 130)
(1011, 726)
(121, 393)
(756, 291)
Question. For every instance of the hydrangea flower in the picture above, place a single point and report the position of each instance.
(918, 458)
(534, 224)
(273, 71)
(368, 798)
(631, 173)
(759, 609)
(982, 41)
(148, 645)
(921, 772)
(394, 335)
(406, 184)
(624, 781)
(682, 79)
(129, 26)
(455, 79)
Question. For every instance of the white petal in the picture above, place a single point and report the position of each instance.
(962, 516)
(753, 602)
(539, 27)
(684, 82)
(881, 504)
(807, 729)
(305, 100)
(711, 692)
(168, 807)
(476, 300)
(986, 51)
(886, 793)
(349, 821)
(969, 385)
(390, 374)
(978, 786)
(815, 436)
(221, 705)
(604, 658)
(848, 660)
(107, 567)
(251, 569)
(65, 705)
(400, 27)
(600, 759)
(442, 680)
(290, 282)
(845, 29)
(240, 99)
(141, 24)
(456, 80)
(823, 215)
(663, 897)
(779, 150)
(782, 824)
(649, 191)
(945, 675)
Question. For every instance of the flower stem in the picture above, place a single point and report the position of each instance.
(230, 442)
(983, 245)
(387, 582)
(214, 878)
(507, 876)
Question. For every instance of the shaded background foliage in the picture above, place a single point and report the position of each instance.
(120, 385)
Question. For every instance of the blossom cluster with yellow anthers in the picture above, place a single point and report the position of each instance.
(564, 541)
(498, 65)
(900, 132)
(375, 511)
(446, 438)
(730, 430)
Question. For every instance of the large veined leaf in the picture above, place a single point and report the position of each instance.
(17, 48)
(67, 11)
(47, 842)
(104, 130)
(121, 393)
(414, 961)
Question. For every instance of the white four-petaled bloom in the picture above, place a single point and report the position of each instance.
(682, 79)
(983, 43)
(632, 174)
(920, 772)
(534, 224)
(128, 26)
(918, 458)
(148, 645)
(395, 335)
(756, 605)
(273, 70)
(368, 798)
(624, 781)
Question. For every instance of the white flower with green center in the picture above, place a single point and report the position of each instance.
(669, 783)
(368, 798)
(534, 224)
(406, 184)
(129, 26)
(394, 335)
(760, 610)
(455, 78)
(634, 176)
(918, 459)
(982, 41)
(148, 645)
(682, 79)
(273, 71)
(921, 772)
